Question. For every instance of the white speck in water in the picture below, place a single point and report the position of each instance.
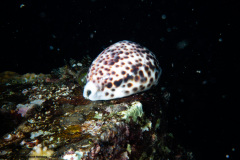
(51, 48)
(174, 28)
(53, 36)
(220, 39)
(164, 16)
(204, 82)
(162, 39)
(22, 5)
(163, 88)
(198, 71)
(91, 35)
(182, 44)
(172, 65)
(169, 29)
(79, 64)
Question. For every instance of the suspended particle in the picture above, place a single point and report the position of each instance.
(198, 71)
(164, 16)
(51, 48)
(182, 44)
(91, 35)
(22, 6)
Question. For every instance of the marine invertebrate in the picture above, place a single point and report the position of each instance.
(134, 111)
(122, 69)
(40, 152)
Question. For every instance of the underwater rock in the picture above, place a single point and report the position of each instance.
(66, 125)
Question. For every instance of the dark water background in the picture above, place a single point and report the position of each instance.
(196, 43)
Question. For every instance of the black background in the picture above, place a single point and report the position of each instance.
(196, 43)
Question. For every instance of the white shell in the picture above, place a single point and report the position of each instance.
(122, 69)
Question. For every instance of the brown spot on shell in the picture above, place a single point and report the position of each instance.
(128, 77)
(106, 69)
(144, 79)
(152, 67)
(141, 73)
(109, 85)
(142, 87)
(118, 83)
(111, 63)
(134, 69)
(129, 85)
(123, 72)
(105, 62)
(151, 80)
(146, 68)
(149, 73)
(101, 73)
(135, 89)
(137, 78)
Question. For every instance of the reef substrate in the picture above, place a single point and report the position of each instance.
(43, 116)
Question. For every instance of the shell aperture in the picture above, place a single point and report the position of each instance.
(122, 69)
